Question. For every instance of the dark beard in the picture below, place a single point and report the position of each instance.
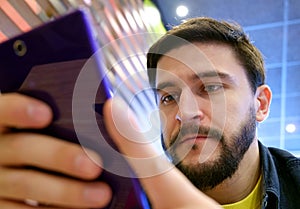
(208, 175)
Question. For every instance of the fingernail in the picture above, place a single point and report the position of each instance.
(94, 157)
(38, 112)
(95, 194)
(87, 165)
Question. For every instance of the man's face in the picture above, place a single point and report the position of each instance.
(207, 111)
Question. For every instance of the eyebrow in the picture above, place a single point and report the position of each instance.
(209, 74)
(202, 75)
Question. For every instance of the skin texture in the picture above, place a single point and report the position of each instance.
(224, 102)
(76, 189)
(26, 149)
(161, 189)
(50, 154)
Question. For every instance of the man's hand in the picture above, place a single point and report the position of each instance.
(166, 187)
(41, 168)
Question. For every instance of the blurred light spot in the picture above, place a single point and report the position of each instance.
(182, 11)
(88, 2)
(290, 128)
(152, 15)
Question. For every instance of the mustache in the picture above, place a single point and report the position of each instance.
(193, 129)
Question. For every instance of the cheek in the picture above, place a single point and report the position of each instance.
(169, 125)
(228, 113)
(236, 114)
(218, 113)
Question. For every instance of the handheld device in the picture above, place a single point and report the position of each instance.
(45, 63)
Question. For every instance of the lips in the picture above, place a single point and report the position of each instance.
(193, 139)
(190, 134)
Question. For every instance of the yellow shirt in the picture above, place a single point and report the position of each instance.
(252, 201)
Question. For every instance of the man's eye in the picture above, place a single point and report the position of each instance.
(211, 88)
(168, 99)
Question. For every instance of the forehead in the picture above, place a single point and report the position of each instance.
(197, 59)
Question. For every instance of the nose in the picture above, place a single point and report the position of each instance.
(189, 107)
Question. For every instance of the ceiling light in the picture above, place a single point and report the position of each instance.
(182, 11)
(290, 128)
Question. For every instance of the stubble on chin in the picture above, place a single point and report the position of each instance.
(194, 151)
(222, 163)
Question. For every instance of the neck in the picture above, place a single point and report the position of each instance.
(242, 182)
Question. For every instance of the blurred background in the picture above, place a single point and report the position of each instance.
(274, 27)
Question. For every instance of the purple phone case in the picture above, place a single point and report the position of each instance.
(44, 63)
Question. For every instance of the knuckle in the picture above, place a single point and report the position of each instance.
(21, 183)
(16, 141)
(14, 183)
(14, 146)
(9, 149)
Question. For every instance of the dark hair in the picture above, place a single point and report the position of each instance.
(203, 29)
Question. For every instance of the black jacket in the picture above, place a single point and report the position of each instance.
(281, 178)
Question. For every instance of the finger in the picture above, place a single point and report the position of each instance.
(21, 111)
(135, 145)
(49, 153)
(9, 204)
(166, 185)
(52, 190)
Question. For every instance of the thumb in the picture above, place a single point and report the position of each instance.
(165, 186)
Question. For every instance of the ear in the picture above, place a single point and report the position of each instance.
(263, 98)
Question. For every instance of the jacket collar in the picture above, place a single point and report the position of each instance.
(270, 177)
